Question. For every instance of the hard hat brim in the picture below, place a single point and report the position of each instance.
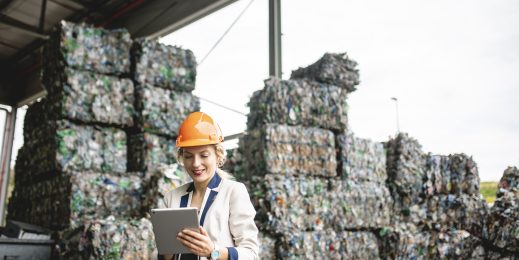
(196, 142)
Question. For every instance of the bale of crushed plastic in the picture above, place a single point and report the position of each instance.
(360, 205)
(361, 159)
(109, 238)
(163, 65)
(161, 111)
(267, 246)
(503, 219)
(328, 244)
(71, 198)
(159, 182)
(285, 204)
(334, 69)
(147, 151)
(459, 244)
(290, 150)
(65, 146)
(89, 97)
(406, 167)
(299, 102)
(86, 47)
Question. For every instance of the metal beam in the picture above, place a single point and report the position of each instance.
(4, 4)
(8, 45)
(275, 38)
(41, 28)
(21, 26)
(5, 162)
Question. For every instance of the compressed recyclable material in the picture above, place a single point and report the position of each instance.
(234, 164)
(328, 244)
(406, 167)
(85, 47)
(464, 174)
(147, 152)
(69, 199)
(406, 245)
(333, 69)
(159, 182)
(163, 66)
(503, 219)
(285, 204)
(442, 213)
(362, 159)
(297, 203)
(267, 245)
(109, 238)
(290, 150)
(299, 102)
(89, 97)
(459, 244)
(161, 110)
(500, 255)
(65, 146)
(437, 175)
(359, 205)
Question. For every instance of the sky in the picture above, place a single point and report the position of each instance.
(452, 65)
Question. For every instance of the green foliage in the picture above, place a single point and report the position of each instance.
(488, 190)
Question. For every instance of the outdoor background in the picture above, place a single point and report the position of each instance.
(453, 65)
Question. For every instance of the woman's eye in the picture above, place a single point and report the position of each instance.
(205, 155)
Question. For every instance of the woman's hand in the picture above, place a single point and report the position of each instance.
(198, 243)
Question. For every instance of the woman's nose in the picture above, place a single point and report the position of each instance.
(196, 161)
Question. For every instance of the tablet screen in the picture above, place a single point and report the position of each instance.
(167, 222)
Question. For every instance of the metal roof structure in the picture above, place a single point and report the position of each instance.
(25, 26)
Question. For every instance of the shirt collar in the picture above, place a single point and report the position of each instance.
(213, 183)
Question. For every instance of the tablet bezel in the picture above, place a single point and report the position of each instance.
(167, 222)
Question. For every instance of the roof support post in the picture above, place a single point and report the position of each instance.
(5, 159)
(275, 38)
(42, 16)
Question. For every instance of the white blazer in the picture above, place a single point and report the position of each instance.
(226, 214)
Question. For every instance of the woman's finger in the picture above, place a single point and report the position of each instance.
(194, 239)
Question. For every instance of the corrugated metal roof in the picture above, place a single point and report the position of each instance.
(23, 30)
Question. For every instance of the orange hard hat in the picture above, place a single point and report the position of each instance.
(199, 129)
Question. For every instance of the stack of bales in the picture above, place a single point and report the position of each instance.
(438, 210)
(164, 79)
(72, 174)
(503, 219)
(304, 205)
(72, 166)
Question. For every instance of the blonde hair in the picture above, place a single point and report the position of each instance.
(221, 155)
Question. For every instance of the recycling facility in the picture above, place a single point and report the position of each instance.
(99, 153)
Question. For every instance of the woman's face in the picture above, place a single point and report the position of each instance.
(200, 162)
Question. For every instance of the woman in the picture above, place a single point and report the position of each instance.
(227, 229)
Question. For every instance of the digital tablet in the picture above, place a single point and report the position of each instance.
(167, 223)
